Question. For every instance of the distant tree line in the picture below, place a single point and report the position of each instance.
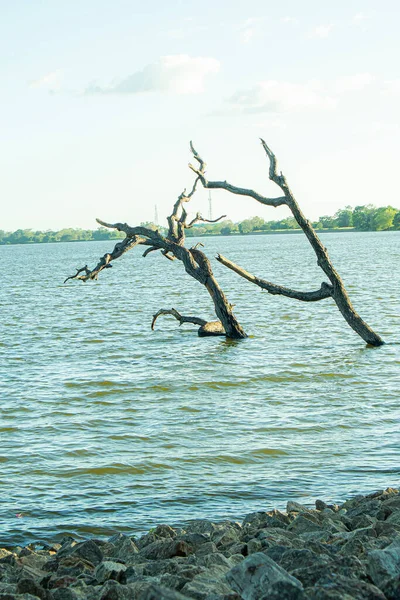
(360, 218)
(28, 236)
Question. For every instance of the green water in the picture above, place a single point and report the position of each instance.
(106, 425)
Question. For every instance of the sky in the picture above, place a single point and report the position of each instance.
(99, 100)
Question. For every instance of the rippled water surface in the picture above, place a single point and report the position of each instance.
(106, 425)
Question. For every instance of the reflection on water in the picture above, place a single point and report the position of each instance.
(107, 425)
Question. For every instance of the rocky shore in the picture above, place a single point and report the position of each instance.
(331, 552)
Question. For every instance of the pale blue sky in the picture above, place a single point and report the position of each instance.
(100, 100)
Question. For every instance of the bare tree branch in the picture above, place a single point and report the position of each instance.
(336, 289)
(206, 329)
(178, 317)
(224, 185)
(151, 249)
(85, 268)
(199, 219)
(325, 290)
(172, 247)
(104, 263)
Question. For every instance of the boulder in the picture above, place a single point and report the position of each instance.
(258, 576)
(168, 548)
(159, 592)
(88, 551)
(344, 588)
(384, 565)
(110, 570)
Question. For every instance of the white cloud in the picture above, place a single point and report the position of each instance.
(352, 83)
(322, 31)
(291, 20)
(391, 87)
(249, 29)
(361, 18)
(381, 127)
(247, 35)
(280, 97)
(273, 122)
(178, 74)
(50, 81)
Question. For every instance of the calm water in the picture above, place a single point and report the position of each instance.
(106, 425)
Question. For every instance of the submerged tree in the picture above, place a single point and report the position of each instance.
(335, 289)
(171, 246)
(198, 266)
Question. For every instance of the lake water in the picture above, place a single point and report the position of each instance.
(106, 425)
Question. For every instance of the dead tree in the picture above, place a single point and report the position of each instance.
(172, 247)
(335, 289)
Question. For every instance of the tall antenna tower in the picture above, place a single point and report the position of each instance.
(210, 212)
(155, 215)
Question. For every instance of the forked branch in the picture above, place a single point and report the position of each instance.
(336, 287)
(172, 247)
(178, 317)
(233, 189)
(104, 262)
(325, 290)
(206, 329)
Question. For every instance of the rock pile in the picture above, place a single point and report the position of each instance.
(332, 552)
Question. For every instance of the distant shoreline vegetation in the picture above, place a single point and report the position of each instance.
(360, 218)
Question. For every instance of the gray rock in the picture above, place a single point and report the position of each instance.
(159, 592)
(217, 561)
(204, 585)
(123, 548)
(201, 526)
(283, 590)
(261, 520)
(112, 590)
(8, 588)
(353, 547)
(304, 524)
(227, 534)
(165, 549)
(155, 568)
(361, 521)
(10, 573)
(4, 553)
(253, 546)
(110, 570)
(342, 588)
(64, 594)
(392, 589)
(7, 596)
(296, 507)
(276, 552)
(238, 548)
(390, 505)
(384, 565)
(297, 559)
(330, 568)
(173, 582)
(74, 566)
(277, 536)
(394, 518)
(207, 548)
(385, 528)
(87, 550)
(29, 586)
(258, 575)
(177, 581)
(195, 540)
(368, 507)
